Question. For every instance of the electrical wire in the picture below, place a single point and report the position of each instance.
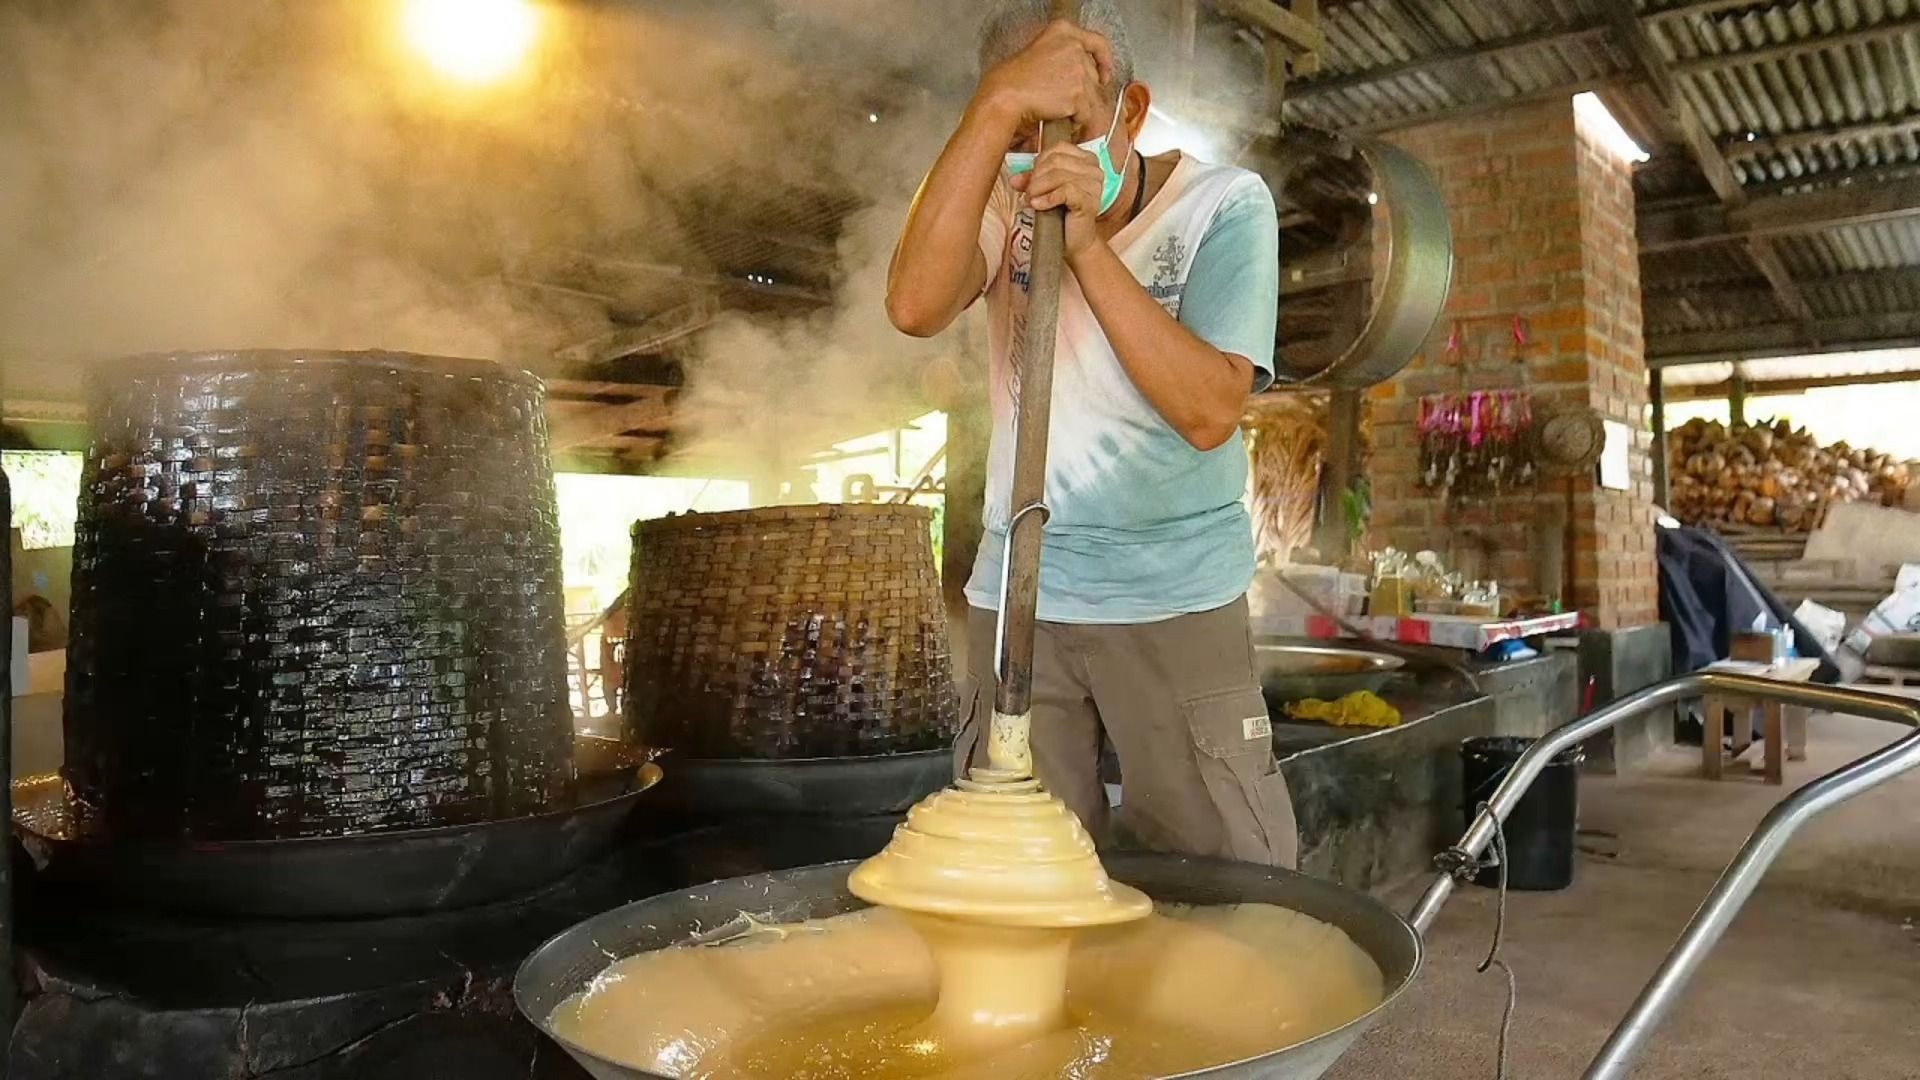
(1493, 952)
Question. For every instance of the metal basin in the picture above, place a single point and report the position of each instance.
(563, 966)
(1290, 672)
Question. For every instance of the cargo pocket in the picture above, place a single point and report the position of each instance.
(965, 743)
(1234, 740)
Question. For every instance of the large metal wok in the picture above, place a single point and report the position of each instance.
(564, 965)
(1290, 671)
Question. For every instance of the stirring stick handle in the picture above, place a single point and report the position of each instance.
(1013, 698)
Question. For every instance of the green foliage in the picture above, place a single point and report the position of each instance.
(46, 495)
(1357, 504)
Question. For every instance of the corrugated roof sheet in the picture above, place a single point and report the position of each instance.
(1881, 245)
(1374, 36)
(1803, 107)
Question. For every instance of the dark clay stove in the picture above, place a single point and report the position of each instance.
(322, 792)
(116, 992)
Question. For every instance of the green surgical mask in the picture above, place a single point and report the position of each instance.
(1111, 178)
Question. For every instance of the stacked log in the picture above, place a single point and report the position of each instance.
(1773, 475)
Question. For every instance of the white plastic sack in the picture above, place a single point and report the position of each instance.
(1825, 624)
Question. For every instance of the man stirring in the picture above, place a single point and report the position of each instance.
(1166, 325)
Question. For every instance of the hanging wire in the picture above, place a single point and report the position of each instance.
(1493, 952)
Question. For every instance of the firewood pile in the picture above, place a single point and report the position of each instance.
(1773, 475)
(1286, 436)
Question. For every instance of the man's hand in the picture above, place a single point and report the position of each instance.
(1057, 77)
(1068, 176)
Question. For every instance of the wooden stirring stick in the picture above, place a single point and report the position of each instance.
(1007, 744)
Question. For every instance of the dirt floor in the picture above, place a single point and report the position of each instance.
(1818, 978)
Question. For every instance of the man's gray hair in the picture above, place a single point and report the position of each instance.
(1012, 24)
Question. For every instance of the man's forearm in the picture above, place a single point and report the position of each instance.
(937, 267)
(1197, 389)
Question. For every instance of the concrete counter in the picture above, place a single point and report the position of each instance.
(1373, 805)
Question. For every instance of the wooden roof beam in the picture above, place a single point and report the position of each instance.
(1700, 7)
(1792, 299)
(1746, 291)
(1300, 34)
(1683, 228)
(655, 334)
(1626, 27)
(1706, 154)
(1764, 387)
(577, 427)
(1814, 138)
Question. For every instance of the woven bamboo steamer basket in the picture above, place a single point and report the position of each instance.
(315, 593)
(787, 633)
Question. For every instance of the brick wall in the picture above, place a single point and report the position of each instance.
(1543, 230)
(1615, 528)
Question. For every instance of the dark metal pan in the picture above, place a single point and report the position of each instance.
(371, 874)
(1292, 671)
(840, 787)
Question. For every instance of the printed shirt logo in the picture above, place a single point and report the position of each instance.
(1019, 272)
(1022, 247)
(1166, 286)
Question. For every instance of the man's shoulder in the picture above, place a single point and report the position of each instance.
(1221, 177)
(1218, 188)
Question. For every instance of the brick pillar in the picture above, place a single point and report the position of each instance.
(1543, 223)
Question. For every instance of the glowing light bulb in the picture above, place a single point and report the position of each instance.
(471, 41)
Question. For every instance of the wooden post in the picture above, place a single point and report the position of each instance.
(1275, 52)
(1712, 732)
(7, 990)
(969, 430)
(1657, 397)
(1737, 397)
(1776, 749)
(1013, 698)
(1337, 471)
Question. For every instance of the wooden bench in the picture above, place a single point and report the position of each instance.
(1784, 726)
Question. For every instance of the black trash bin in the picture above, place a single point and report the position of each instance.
(1540, 833)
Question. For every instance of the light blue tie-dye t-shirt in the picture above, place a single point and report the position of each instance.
(1142, 525)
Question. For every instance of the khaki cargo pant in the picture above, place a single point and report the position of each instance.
(1183, 707)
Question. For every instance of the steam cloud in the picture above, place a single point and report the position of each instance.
(203, 174)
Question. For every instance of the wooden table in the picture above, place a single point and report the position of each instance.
(1785, 726)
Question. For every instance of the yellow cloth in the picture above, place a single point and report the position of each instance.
(1362, 708)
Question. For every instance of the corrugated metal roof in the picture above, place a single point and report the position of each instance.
(1802, 107)
(1796, 93)
(1372, 37)
(1881, 245)
(1696, 310)
(1863, 294)
(1707, 266)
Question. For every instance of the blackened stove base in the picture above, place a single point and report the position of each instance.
(138, 996)
(375, 875)
(830, 787)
